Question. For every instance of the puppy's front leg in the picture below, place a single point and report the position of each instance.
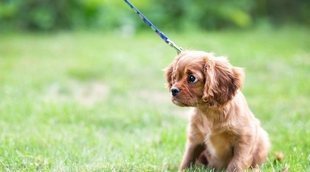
(242, 158)
(192, 151)
(194, 145)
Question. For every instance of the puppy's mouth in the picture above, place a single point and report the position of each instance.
(178, 103)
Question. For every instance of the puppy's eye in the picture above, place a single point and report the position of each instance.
(192, 79)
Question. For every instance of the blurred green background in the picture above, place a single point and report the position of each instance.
(82, 86)
(34, 15)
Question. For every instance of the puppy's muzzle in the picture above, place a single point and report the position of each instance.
(175, 91)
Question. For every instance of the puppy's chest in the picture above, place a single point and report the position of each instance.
(218, 139)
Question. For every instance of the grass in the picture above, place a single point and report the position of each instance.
(97, 101)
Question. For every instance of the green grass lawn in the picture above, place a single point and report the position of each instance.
(98, 102)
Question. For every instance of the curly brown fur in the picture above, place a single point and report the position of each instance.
(223, 132)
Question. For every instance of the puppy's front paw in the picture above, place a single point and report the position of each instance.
(183, 168)
(233, 168)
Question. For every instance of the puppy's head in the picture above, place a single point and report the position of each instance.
(197, 77)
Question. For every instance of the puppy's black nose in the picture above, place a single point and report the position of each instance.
(175, 91)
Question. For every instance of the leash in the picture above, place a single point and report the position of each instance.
(154, 28)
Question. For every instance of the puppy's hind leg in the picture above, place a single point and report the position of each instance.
(203, 158)
(262, 149)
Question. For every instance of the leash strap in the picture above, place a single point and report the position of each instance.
(154, 28)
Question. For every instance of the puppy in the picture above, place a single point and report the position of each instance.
(223, 133)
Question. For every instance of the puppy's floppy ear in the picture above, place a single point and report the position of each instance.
(222, 81)
(168, 73)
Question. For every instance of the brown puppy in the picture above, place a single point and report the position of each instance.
(223, 132)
